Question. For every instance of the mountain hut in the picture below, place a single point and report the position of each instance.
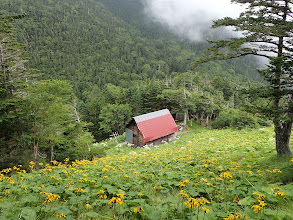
(151, 128)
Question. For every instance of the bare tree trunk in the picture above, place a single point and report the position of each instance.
(201, 117)
(185, 118)
(36, 145)
(283, 133)
(34, 141)
(74, 104)
(185, 112)
(196, 116)
(52, 153)
(3, 67)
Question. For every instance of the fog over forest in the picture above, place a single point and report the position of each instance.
(190, 18)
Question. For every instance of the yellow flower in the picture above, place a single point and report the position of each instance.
(186, 181)
(218, 179)
(50, 197)
(238, 215)
(135, 209)
(112, 200)
(205, 210)
(183, 193)
(6, 192)
(261, 203)
(140, 194)
(277, 171)
(256, 208)
(88, 206)
(205, 165)
(79, 190)
(11, 180)
(260, 195)
(61, 215)
(32, 165)
(101, 192)
(181, 184)
(105, 177)
(24, 187)
(119, 201)
(226, 175)
(279, 193)
(121, 195)
(192, 202)
(138, 210)
(54, 162)
(42, 186)
(203, 201)
(115, 200)
(230, 217)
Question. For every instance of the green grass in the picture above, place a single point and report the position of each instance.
(228, 172)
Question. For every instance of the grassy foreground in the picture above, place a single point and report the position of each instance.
(205, 174)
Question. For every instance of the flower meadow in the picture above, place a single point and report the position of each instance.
(206, 174)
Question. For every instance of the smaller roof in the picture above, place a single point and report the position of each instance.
(156, 124)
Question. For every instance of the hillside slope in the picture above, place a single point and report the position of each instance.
(191, 177)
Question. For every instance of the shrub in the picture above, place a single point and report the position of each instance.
(236, 119)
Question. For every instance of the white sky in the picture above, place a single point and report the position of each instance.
(190, 17)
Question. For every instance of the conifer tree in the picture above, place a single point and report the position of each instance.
(266, 31)
(12, 74)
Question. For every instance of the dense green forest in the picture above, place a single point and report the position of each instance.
(85, 62)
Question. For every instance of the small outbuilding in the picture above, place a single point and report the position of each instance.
(151, 128)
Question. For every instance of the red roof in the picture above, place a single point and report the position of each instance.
(156, 124)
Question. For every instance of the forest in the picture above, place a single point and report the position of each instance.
(71, 67)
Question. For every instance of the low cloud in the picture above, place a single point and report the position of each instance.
(191, 18)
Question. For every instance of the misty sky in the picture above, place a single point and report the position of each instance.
(190, 18)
